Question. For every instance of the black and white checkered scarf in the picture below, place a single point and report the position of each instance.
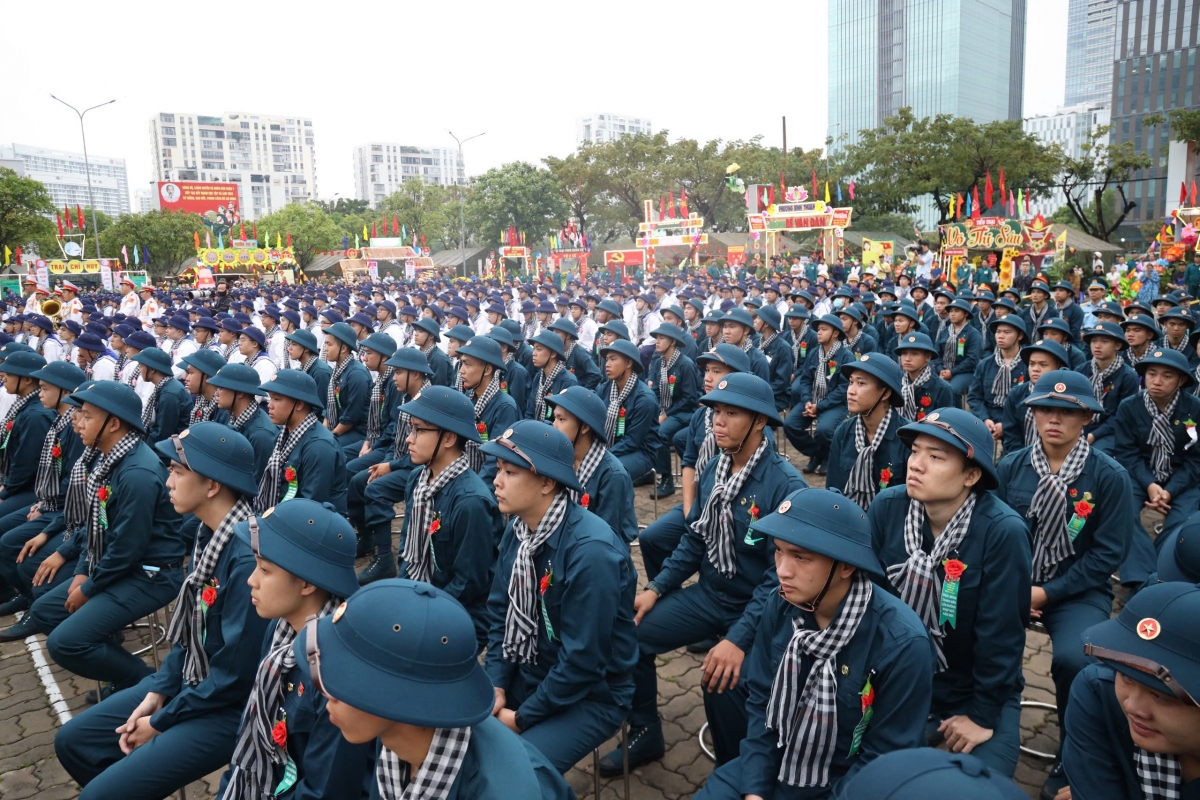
(664, 380)
(122, 362)
(10, 420)
(529, 327)
(916, 579)
(708, 447)
(375, 406)
(1048, 511)
(765, 342)
(1037, 317)
(332, 403)
(203, 410)
(49, 472)
(1002, 383)
(616, 402)
(715, 524)
(908, 390)
(521, 618)
(418, 544)
(545, 382)
(150, 412)
(243, 419)
(187, 626)
(950, 348)
(587, 467)
(474, 454)
(75, 505)
(272, 477)
(797, 341)
(1159, 774)
(1133, 358)
(1099, 378)
(403, 424)
(97, 478)
(309, 363)
(256, 754)
(821, 376)
(804, 712)
(1161, 437)
(861, 485)
(437, 774)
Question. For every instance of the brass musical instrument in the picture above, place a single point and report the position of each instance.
(52, 309)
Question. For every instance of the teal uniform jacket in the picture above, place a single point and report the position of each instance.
(24, 446)
(390, 411)
(610, 497)
(321, 372)
(1100, 546)
(581, 365)
(758, 364)
(137, 489)
(588, 605)
(72, 449)
(564, 380)
(352, 393)
(499, 415)
(233, 634)
(443, 368)
(808, 343)
(327, 766)
(172, 413)
(687, 386)
(696, 431)
(320, 469)
(779, 359)
(524, 357)
(1027, 313)
(1012, 417)
(1121, 384)
(1073, 314)
(985, 646)
(261, 433)
(515, 381)
(802, 387)
(1098, 752)
(464, 545)
(890, 648)
(967, 351)
(865, 344)
(891, 455)
(1132, 446)
(935, 393)
(641, 421)
(984, 327)
(979, 396)
(769, 484)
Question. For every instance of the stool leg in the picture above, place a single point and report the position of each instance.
(625, 755)
(596, 773)
(654, 492)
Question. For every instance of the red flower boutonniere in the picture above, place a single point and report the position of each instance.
(56, 451)
(279, 733)
(1083, 508)
(585, 500)
(289, 474)
(885, 477)
(1020, 379)
(753, 511)
(503, 386)
(671, 385)
(868, 696)
(621, 422)
(920, 415)
(8, 426)
(954, 568)
(482, 428)
(435, 526)
(546, 582)
(208, 595)
(925, 402)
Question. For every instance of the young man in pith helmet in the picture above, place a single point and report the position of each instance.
(1133, 727)
(168, 407)
(348, 394)
(306, 460)
(856, 338)
(631, 427)
(1141, 333)
(237, 393)
(304, 354)
(22, 432)
(606, 489)
(26, 532)
(551, 375)
(252, 346)
(776, 348)
(1112, 381)
(379, 429)
(451, 523)
(819, 394)
(1078, 506)
(562, 642)
(1056, 329)
(743, 482)
(177, 725)
(1017, 428)
(924, 772)
(579, 362)
(997, 374)
(425, 337)
(866, 455)
(481, 375)
(661, 537)
(199, 367)
(286, 745)
(1155, 441)
(960, 345)
(921, 390)
(396, 664)
(674, 379)
(840, 672)
(514, 379)
(960, 558)
(737, 329)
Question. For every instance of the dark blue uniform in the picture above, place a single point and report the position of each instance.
(261, 433)
(172, 413)
(610, 497)
(1121, 384)
(352, 393)
(891, 455)
(23, 444)
(979, 398)
(321, 372)
(515, 381)
(636, 448)
(577, 693)
(967, 349)
(831, 410)
(563, 380)
(443, 368)
(1028, 313)
(497, 417)
(581, 365)
(320, 468)
(685, 392)
(779, 359)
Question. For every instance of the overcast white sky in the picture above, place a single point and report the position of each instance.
(403, 71)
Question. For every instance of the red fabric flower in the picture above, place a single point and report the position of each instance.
(503, 386)
(8, 425)
(1083, 508)
(920, 415)
(481, 428)
(279, 733)
(56, 451)
(435, 526)
(925, 401)
(868, 699)
(289, 474)
(622, 413)
(885, 475)
(102, 494)
(671, 379)
(753, 511)
(545, 584)
(954, 568)
(585, 500)
(209, 595)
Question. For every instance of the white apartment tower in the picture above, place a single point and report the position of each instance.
(62, 173)
(604, 127)
(272, 157)
(380, 168)
(1070, 127)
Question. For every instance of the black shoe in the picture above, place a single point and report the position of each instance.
(645, 480)
(364, 547)
(702, 648)
(18, 603)
(645, 745)
(383, 565)
(22, 630)
(664, 489)
(820, 470)
(811, 466)
(1054, 782)
(106, 691)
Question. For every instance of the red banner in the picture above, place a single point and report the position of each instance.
(217, 203)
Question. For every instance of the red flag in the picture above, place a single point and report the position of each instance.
(18, 255)
(770, 196)
(851, 188)
(1182, 192)
(196, 237)
(289, 241)
(782, 185)
(243, 231)
(67, 218)
(58, 220)
(987, 190)
(1002, 184)
(1026, 202)
(372, 229)
(395, 226)
(256, 231)
(683, 212)
(79, 213)
(814, 179)
(1193, 191)
(662, 207)
(975, 205)
(423, 239)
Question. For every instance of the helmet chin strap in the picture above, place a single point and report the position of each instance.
(816, 601)
(742, 443)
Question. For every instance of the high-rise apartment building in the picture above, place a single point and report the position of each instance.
(272, 157)
(959, 57)
(380, 168)
(1091, 30)
(62, 173)
(1156, 52)
(605, 127)
(1070, 127)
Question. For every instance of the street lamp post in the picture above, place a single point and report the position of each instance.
(462, 214)
(87, 167)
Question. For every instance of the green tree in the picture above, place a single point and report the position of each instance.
(424, 209)
(517, 194)
(311, 228)
(169, 235)
(580, 183)
(632, 169)
(343, 205)
(1185, 126)
(1101, 167)
(24, 206)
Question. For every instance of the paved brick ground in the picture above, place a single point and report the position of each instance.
(28, 767)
